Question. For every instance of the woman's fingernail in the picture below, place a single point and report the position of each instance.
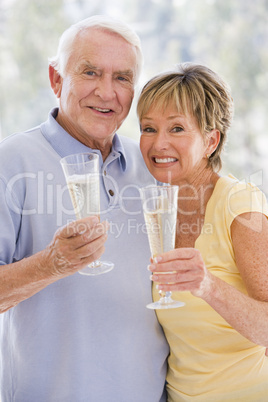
(157, 259)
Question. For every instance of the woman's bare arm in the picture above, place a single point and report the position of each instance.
(248, 314)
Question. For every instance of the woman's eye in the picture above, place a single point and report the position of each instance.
(147, 130)
(177, 129)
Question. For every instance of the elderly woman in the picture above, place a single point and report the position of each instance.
(219, 267)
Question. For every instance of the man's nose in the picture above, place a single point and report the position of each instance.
(105, 88)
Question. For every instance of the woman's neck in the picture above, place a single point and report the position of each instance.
(192, 202)
(194, 195)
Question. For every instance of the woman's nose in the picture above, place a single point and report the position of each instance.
(161, 140)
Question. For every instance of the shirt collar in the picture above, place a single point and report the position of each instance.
(64, 144)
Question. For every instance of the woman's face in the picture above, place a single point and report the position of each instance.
(174, 149)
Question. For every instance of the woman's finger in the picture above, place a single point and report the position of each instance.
(175, 254)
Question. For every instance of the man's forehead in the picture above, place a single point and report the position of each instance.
(94, 51)
(91, 33)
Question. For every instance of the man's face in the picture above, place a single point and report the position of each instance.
(97, 89)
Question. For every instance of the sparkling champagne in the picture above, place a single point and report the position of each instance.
(84, 192)
(159, 205)
(161, 230)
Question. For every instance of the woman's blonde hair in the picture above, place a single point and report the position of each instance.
(195, 90)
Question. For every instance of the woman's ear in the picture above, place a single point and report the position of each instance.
(55, 81)
(213, 137)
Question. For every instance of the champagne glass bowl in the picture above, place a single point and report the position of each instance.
(82, 176)
(160, 213)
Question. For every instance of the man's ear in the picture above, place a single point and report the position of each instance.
(55, 81)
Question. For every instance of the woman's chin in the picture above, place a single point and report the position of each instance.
(163, 178)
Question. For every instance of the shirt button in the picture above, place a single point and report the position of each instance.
(111, 193)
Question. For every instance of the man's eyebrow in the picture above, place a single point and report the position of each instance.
(83, 65)
(128, 73)
(125, 72)
(89, 65)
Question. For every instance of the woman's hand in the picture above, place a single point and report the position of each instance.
(181, 269)
(247, 312)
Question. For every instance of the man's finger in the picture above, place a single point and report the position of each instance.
(79, 227)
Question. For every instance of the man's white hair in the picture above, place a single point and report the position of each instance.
(65, 48)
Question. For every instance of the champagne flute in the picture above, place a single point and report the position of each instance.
(160, 212)
(82, 176)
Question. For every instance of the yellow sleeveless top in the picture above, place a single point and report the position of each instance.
(209, 361)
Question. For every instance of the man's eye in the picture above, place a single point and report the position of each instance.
(90, 73)
(126, 79)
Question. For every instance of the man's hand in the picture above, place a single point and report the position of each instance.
(75, 246)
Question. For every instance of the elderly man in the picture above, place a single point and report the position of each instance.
(65, 336)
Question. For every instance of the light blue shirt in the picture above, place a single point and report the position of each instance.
(81, 338)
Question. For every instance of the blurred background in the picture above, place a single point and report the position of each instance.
(229, 36)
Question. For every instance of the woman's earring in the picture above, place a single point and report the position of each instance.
(208, 156)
